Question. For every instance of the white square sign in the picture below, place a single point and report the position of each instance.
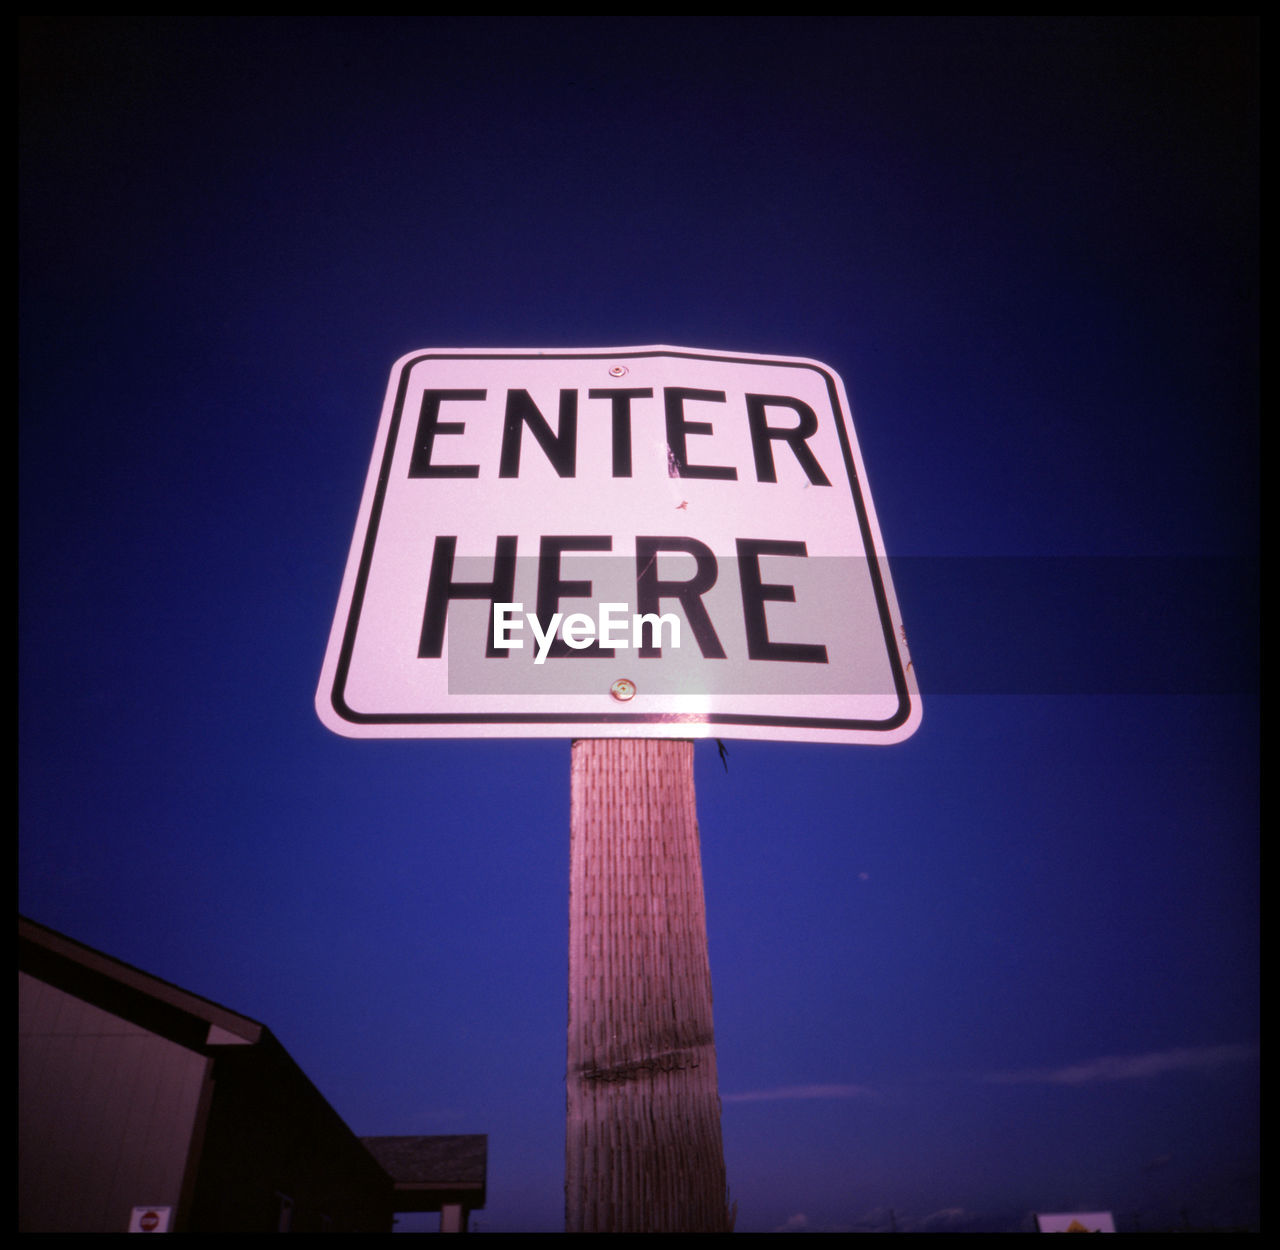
(617, 542)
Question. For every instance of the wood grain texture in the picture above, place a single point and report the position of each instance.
(643, 1146)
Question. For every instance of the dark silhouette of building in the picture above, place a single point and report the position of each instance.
(143, 1105)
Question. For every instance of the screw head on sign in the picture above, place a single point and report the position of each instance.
(618, 371)
(623, 689)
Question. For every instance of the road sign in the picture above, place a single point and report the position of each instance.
(1077, 1222)
(150, 1219)
(617, 542)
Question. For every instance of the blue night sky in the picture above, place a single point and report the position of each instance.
(1008, 965)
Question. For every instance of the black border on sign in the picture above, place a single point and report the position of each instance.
(605, 719)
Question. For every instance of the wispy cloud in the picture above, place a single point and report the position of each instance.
(798, 1223)
(1130, 1067)
(800, 1091)
(947, 1219)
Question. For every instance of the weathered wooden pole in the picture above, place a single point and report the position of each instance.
(643, 1151)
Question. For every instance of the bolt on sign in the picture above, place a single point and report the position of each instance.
(617, 542)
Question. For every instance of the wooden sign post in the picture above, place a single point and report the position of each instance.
(643, 1151)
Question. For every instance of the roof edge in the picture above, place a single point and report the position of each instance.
(95, 961)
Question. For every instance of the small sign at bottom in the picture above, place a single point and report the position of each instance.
(150, 1219)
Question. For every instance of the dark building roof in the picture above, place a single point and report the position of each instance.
(119, 987)
(431, 1171)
